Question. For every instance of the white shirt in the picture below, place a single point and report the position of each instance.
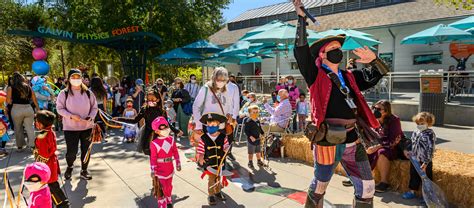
(211, 104)
(193, 89)
(233, 90)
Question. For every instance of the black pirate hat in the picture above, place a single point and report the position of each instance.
(212, 117)
(316, 46)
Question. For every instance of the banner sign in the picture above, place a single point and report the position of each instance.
(88, 36)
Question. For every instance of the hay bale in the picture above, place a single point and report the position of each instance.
(298, 147)
(451, 170)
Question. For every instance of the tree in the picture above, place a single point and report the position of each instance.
(458, 4)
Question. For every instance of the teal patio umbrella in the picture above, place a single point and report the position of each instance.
(263, 28)
(354, 39)
(282, 38)
(203, 48)
(179, 53)
(463, 24)
(438, 34)
(242, 47)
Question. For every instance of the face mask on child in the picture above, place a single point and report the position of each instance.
(129, 105)
(422, 127)
(212, 129)
(165, 132)
(278, 98)
(152, 104)
(254, 116)
(76, 82)
(33, 186)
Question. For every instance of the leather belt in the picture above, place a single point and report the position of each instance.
(164, 160)
(349, 124)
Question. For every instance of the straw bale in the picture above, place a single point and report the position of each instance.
(452, 170)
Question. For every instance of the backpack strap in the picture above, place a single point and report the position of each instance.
(205, 97)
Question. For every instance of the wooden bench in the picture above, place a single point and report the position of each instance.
(452, 171)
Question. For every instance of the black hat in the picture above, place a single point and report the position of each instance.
(212, 117)
(316, 46)
(73, 71)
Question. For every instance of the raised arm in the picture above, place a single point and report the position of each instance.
(302, 53)
(369, 77)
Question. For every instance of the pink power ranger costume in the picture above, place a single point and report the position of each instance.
(36, 181)
(163, 149)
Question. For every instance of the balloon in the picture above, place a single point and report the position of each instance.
(38, 42)
(39, 54)
(40, 67)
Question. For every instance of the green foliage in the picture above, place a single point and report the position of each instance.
(458, 4)
(177, 22)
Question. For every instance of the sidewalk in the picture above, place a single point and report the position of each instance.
(122, 179)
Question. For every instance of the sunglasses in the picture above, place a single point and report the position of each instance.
(378, 109)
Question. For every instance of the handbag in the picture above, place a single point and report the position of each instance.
(229, 129)
(315, 134)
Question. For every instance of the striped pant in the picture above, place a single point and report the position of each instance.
(353, 159)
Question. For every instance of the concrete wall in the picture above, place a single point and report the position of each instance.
(451, 113)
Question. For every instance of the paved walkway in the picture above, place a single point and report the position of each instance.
(122, 179)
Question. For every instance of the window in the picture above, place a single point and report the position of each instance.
(294, 66)
(428, 58)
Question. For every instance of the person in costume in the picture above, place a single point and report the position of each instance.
(42, 90)
(150, 111)
(45, 148)
(130, 131)
(211, 153)
(337, 102)
(4, 138)
(36, 177)
(162, 152)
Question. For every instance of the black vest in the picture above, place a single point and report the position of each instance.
(213, 150)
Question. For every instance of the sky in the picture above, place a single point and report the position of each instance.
(237, 7)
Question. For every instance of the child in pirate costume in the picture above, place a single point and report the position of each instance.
(163, 150)
(36, 177)
(45, 148)
(211, 152)
(338, 107)
(151, 110)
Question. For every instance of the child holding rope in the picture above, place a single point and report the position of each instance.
(212, 150)
(45, 148)
(163, 151)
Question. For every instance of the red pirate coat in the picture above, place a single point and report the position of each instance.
(45, 148)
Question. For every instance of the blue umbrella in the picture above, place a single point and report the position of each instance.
(283, 34)
(203, 47)
(179, 53)
(263, 28)
(242, 47)
(470, 30)
(464, 23)
(354, 39)
(438, 34)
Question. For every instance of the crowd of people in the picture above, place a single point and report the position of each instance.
(157, 116)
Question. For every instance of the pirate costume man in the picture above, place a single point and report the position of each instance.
(337, 103)
(212, 152)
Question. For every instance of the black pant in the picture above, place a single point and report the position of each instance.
(57, 195)
(72, 141)
(415, 179)
(3, 143)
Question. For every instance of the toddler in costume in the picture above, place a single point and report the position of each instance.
(162, 152)
(36, 177)
(130, 112)
(45, 148)
(42, 88)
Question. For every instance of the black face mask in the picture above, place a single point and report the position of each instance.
(377, 114)
(335, 56)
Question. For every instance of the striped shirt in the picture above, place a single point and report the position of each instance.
(193, 89)
(201, 147)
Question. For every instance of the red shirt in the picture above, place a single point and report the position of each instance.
(45, 148)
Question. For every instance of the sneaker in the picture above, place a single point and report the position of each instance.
(231, 156)
(347, 183)
(250, 165)
(20, 149)
(212, 200)
(408, 195)
(381, 187)
(260, 163)
(3, 152)
(68, 173)
(221, 196)
(85, 175)
(169, 206)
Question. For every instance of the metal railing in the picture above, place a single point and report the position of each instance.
(458, 86)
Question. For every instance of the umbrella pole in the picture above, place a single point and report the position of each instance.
(277, 65)
(202, 70)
